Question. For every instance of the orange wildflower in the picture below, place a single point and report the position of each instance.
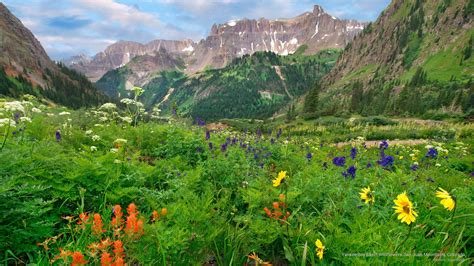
(119, 262)
(83, 218)
(276, 205)
(106, 259)
(164, 212)
(132, 209)
(63, 255)
(104, 244)
(78, 259)
(118, 249)
(117, 220)
(97, 225)
(155, 216)
(131, 223)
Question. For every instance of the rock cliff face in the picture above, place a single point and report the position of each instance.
(316, 30)
(312, 31)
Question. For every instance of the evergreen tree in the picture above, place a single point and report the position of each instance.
(311, 100)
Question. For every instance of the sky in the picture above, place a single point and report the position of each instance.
(71, 27)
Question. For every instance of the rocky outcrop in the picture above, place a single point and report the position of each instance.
(122, 52)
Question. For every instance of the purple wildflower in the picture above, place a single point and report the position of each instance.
(210, 146)
(345, 174)
(386, 161)
(414, 167)
(309, 156)
(369, 165)
(224, 147)
(383, 145)
(339, 161)
(208, 135)
(352, 171)
(279, 133)
(432, 153)
(200, 122)
(353, 153)
(58, 135)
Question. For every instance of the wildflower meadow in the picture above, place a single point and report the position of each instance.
(116, 185)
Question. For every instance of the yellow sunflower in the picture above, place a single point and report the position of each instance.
(367, 195)
(319, 249)
(280, 178)
(404, 208)
(446, 199)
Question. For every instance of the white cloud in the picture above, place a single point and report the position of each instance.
(124, 14)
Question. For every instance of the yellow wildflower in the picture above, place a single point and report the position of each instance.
(280, 178)
(446, 199)
(404, 208)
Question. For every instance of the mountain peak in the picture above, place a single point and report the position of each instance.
(317, 9)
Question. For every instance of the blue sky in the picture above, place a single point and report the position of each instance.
(71, 27)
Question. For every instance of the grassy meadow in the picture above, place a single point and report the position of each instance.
(116, 186)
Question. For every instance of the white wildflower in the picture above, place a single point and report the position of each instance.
(93, 148)
(36, 110)
(64, 113)
(113, 150)
(126, 119)
(120, 141)
(6, 121)
(108, 106)
(14, 106)
(95, 138)
(89, 132)
(127, 101)
(25, 119)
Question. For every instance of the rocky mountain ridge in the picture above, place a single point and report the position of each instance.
(314, 30)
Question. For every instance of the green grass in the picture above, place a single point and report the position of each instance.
(446, 64)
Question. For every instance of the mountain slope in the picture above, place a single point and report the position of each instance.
(26, 68)
(415, 58)
(138, 72)
(254, 86)
(315, 30)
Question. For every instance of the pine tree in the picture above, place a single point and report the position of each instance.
(311, 100)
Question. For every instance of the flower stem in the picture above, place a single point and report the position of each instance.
(406, 238)
(6, 136)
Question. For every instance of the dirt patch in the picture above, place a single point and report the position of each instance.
(376, 143)
(216, 126)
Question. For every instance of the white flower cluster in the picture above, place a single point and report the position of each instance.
(14, 106)
(36, 110)
(108, 106)
(126, 119)
(129, 101)
(6, 121)
(95, 138)
(64, 113)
